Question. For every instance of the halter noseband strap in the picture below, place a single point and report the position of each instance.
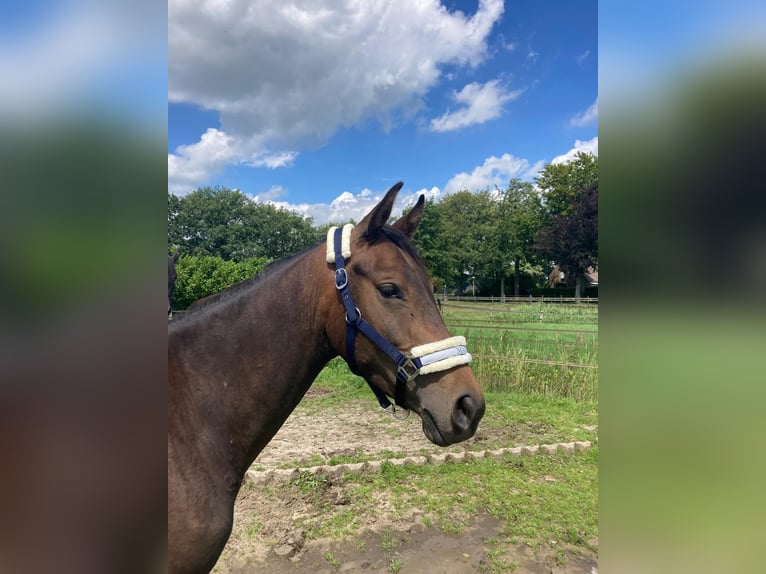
(424, 359)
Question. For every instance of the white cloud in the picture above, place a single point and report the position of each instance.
(270, 196)
(433, 193)
(347, 205)
(481, 103)
(589, 146)
(506, 45)
(273, 160)
(193, 164)
(288, 75)
(495, 171)
(586, 118)
(580, 58)
(299, 70)
(344, 207)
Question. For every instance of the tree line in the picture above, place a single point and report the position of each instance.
(499, 241)
(486, 240)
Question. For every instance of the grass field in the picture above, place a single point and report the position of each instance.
(546, 348)
(544, 501)
(549, 503)
(533, 348)
(545, 419)
(536, 365)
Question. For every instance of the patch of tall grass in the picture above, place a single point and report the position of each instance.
(546, 349)
(563, 366)
(552, 357)
(580, 384)
(542, 312)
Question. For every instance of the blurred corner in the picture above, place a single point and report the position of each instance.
(83, 143)
(683, 259)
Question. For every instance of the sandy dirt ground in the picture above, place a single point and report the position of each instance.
(267, 536)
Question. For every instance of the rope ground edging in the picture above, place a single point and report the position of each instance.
(279, 476)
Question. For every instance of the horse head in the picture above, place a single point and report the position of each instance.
(393, 294)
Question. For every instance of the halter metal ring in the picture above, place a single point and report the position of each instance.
(399, 417)
(356, 319)
(399, 413)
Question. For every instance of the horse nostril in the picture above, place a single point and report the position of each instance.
(463, 413)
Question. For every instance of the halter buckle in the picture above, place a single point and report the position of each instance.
(407, 371)
(341, 278)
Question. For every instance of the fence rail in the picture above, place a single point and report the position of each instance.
(541, 299)
(549, 347)
(558, 312)
(591, 313)
(452, 323)
(535, 361)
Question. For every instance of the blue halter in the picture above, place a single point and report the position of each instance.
(423, 359)
(407, 368)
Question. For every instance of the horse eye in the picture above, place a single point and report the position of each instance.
(389, 290)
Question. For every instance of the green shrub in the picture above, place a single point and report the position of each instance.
(200, 276)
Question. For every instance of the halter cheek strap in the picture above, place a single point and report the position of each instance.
(423, 359)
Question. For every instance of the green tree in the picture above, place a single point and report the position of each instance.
(455, 236)
(226, 223)
(572, 239)
(561, 183)
(569, 234)
(214, 221)
(279, 233)
(519, 217)
(430, 239)
(485, 235)
(174, 237)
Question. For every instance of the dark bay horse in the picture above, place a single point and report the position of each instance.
(240, 364)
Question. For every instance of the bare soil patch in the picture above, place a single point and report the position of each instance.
(311, 436)
(273, 525)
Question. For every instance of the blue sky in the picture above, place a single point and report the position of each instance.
(321, 106)
(323, 111)
(60, 56)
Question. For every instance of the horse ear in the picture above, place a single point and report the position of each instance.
(378, 217)
(408, 223)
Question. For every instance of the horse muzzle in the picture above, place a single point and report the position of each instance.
(446, 423)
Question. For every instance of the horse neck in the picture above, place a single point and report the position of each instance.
(249, 360)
